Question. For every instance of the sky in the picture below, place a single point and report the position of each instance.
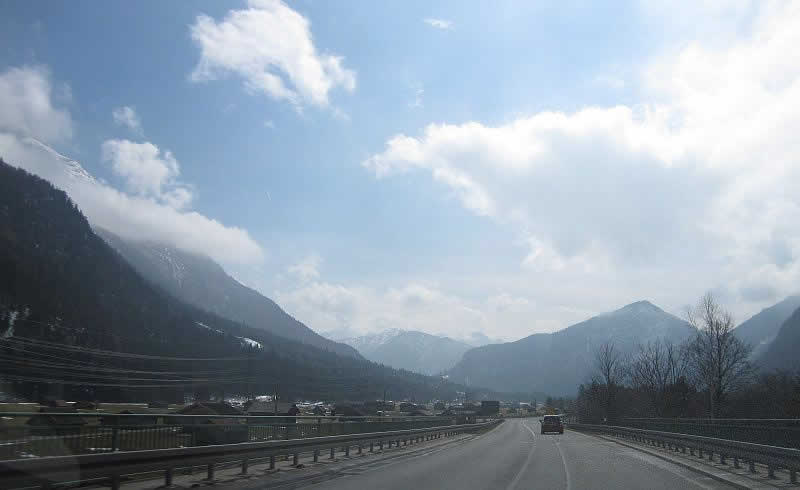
(506, 167)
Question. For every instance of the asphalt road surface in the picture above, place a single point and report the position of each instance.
(516, 456)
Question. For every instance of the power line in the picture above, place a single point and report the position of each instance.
(107, 353)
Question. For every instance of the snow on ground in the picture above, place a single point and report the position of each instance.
(203, 325)
(250, 342)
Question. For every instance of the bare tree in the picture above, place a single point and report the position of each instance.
(610, 365)
(718, 358)
(656, 368)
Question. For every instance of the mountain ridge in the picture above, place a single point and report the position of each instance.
(200, 281)
(410, 349)
(761, 329)
(61, 283)
(520, 365)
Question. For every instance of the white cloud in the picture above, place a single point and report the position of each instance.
(352, 309)
(701, 177)
(439, 23)
(269, 124)
(270, 47)
(126, 116)
(148, 172)
(153, 210)
(307, 269)
(26, 106)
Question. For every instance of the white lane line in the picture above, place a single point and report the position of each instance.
(530, 430)
(513, 484)
(564, 461)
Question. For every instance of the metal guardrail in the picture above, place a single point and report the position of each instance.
(111, 467)
(773, 457)
(81, 433)
(779, 432)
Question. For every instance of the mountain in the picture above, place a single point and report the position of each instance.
(201, 282)
(558, 362)
(784, 351)
(409, 349)
(75, 316)
(760, 330)
(479, 339)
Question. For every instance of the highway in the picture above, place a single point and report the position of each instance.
(515, 456)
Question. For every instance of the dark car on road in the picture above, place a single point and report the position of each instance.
(552, 423)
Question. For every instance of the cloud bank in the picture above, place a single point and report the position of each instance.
(154, 204)
(700, 178)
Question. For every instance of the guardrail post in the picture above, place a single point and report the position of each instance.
(752, 466)
(295, 459)
(272, 462)
(316, 455)
(210, 472)
(114, 439)
(380, 445)
(332, 453)
(360, 449)
(347, 451)
(771, 472)
(793, 475)
(168, 477)
(736, 462)
(371, 447)
(710, 455)
(722, 458)
(115, 482)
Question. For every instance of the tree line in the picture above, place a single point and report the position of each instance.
(710, 375)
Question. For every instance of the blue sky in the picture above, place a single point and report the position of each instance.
(509, 167)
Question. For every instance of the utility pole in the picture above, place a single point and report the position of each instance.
(275, 398)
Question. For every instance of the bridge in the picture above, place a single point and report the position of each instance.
(499, 454)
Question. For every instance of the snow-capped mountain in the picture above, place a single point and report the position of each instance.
(71, 168)
(196, 280)
(410, 349)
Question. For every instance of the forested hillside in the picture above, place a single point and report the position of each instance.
(74, 314)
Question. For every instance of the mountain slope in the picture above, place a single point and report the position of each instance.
(412, 350)
(201, 282)
(557, 362)
(62, 285)
(760, 329)
(784, 351)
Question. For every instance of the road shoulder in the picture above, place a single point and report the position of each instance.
(721, 473)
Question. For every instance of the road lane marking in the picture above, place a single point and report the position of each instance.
(564, 461)
(530, 430)
(513, 484)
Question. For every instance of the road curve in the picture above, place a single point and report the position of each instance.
(515, 456)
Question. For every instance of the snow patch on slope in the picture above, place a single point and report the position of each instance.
(250, 342)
